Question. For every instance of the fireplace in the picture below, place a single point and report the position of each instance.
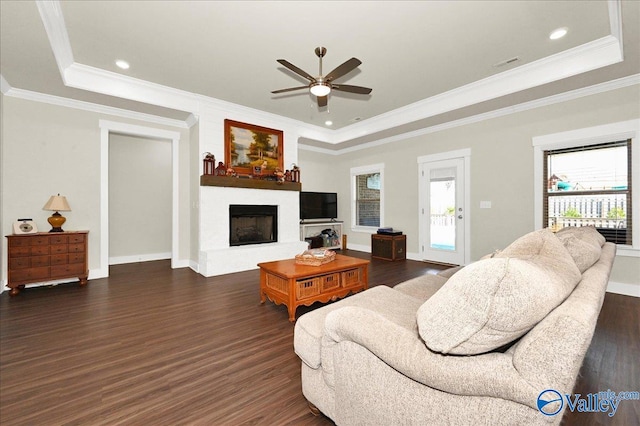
(252, 224)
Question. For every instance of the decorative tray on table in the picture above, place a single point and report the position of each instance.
(315, 257)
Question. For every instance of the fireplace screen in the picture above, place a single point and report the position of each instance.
(252, 224)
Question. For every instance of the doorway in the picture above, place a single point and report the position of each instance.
(106, 128)
(139, 175)
(444, 219)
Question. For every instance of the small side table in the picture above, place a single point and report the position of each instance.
(389, 247)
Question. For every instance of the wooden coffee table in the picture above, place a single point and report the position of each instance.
(285, 282)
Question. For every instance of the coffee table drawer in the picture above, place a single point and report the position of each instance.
(329, 282)
(351, 277)
(307, 288)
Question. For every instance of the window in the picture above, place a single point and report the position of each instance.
(604, 193)
(367, 197)
(590, 186)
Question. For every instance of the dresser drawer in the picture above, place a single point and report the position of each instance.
(19, 242)
(76, 248)
(19, 263)
(20, 251)
(29, 274)
(59, 239)
(37, 261)
(76, 238)
(39, 250)
(40, 240)
(76, 257)
(60, 248)
(66, 270)
(59, 259)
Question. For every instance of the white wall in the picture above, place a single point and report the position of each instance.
(140, 199)
(501, 171)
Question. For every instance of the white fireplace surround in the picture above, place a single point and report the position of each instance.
(217, 257)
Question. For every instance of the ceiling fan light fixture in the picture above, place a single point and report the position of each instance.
(320, 89)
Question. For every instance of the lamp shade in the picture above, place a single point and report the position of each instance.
(57, 203)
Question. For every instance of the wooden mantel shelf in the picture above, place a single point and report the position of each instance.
(212, 180)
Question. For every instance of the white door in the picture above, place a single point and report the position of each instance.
(442, 211)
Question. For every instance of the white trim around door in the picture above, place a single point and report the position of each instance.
(107, 127)
(459, 160)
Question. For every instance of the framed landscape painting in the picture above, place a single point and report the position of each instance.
(249, 148)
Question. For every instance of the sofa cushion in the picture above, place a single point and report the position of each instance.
(492, 302)
(393, 305)
(583, 243)
(422, 287)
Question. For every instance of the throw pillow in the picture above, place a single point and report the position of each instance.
(583, 243)
(587, 233)
(493, 302)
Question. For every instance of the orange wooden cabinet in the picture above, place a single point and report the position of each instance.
(45, 257)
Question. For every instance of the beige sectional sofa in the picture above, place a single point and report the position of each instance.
(477, 346)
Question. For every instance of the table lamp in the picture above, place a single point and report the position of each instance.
(57, 203)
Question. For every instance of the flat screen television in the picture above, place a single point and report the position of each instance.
(318, 205)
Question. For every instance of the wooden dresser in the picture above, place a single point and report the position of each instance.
(45, 257)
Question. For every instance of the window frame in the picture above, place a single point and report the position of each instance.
(365, 170)
(592, 136)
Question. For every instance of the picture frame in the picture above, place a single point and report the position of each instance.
(248, 147)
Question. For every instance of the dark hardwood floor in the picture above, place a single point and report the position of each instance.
(155, 346)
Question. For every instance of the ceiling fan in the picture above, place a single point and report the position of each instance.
(321, 86)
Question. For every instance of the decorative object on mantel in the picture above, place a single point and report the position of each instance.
(208, 164)
(248, 146)
(295, 173)
(57, 203)
(221, 170)
(315, 257)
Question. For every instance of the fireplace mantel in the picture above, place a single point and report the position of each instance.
(212, 180)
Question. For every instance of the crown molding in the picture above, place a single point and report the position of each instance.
(550, 100)
(91, 107)
(54, 25)
(589, 56)
(615, 20)
(596, 54)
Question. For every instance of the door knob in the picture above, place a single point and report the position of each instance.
(459, 216)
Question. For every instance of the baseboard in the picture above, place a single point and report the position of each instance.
(180, 263)
(139, 258)
(626, 289)
(359, 247)
(367, 249)
(195, 266)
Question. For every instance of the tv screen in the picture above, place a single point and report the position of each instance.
(318, 205)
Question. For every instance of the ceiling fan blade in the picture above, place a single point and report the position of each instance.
(322, 101)
(347, 66)
(297, 70)
(353, 89)
(290, 89)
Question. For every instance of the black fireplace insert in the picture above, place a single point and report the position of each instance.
(252, 224)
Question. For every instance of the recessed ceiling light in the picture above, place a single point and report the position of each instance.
(328, 122)
(559, 33)
(122, 64)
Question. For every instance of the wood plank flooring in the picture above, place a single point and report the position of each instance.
(155, 346)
